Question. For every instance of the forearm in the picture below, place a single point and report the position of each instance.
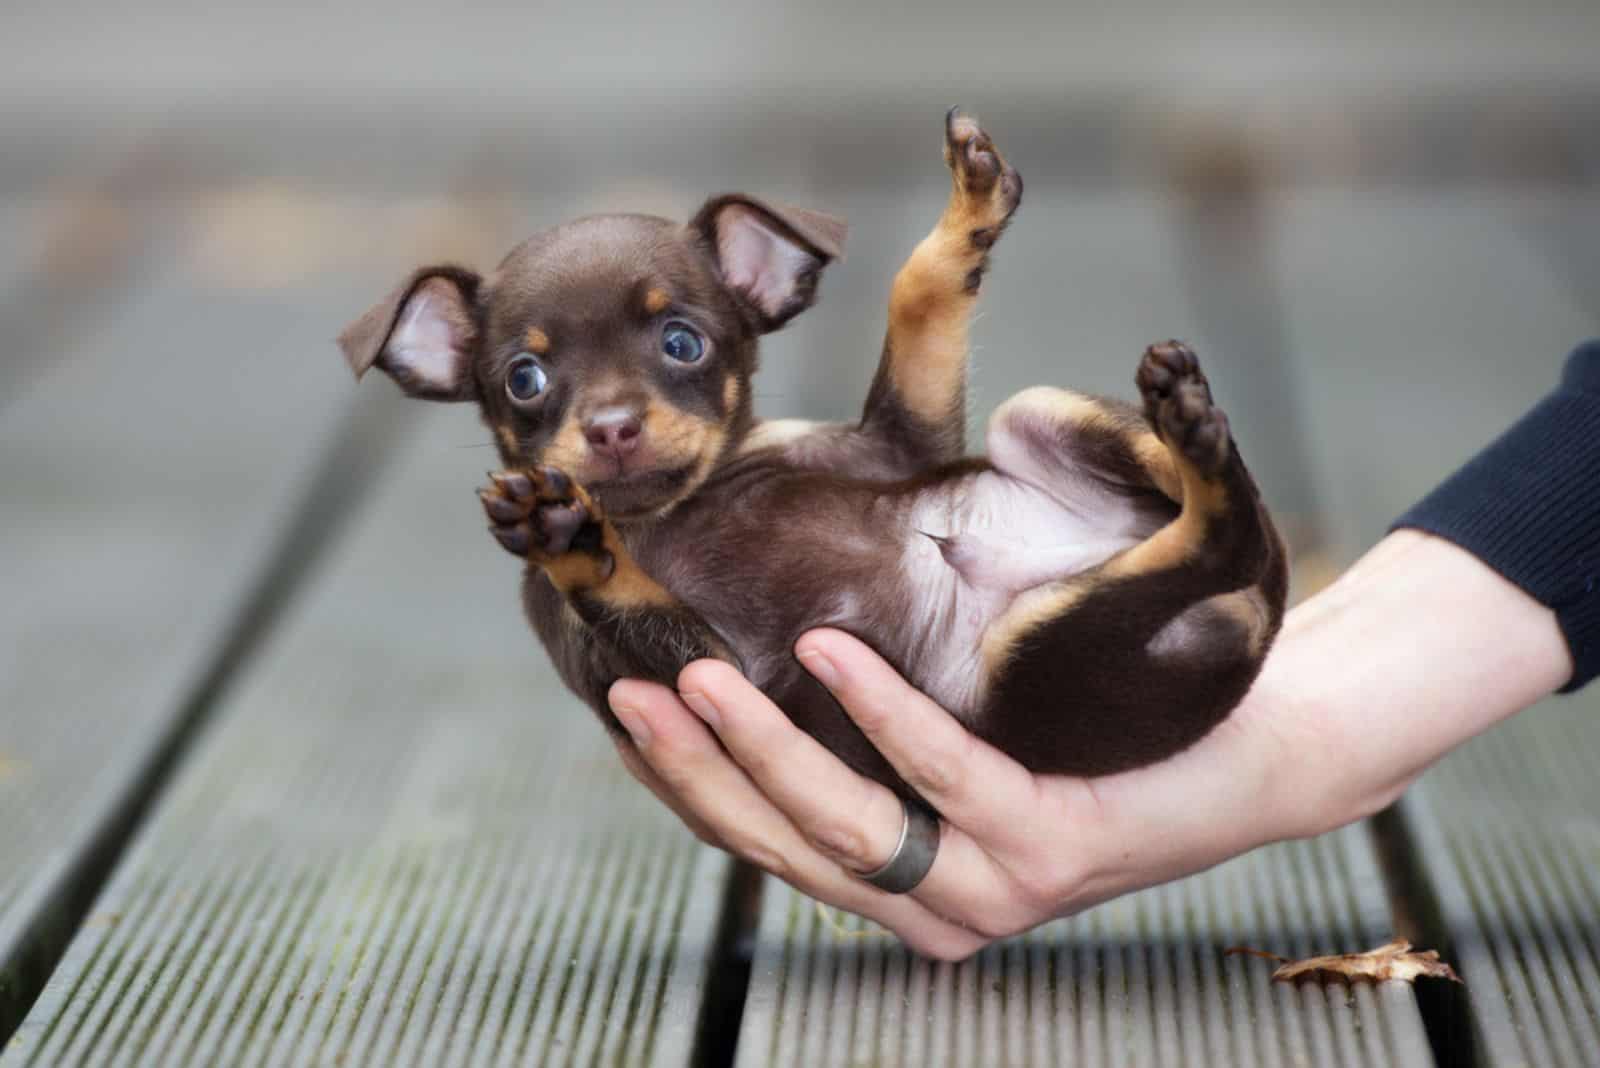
(1415, 649)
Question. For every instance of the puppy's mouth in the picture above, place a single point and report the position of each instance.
(632, 494)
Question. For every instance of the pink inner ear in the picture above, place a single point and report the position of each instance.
(757, 260)
(427, 338)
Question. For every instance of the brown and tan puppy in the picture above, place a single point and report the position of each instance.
(1095, 594)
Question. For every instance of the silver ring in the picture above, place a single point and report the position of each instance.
(913, 855)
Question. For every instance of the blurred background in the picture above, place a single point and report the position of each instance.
(1377, 221)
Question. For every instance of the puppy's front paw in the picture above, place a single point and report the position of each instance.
(986, 189)
(1177, 401)
(544, 516)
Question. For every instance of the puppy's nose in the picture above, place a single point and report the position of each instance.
(614, 431)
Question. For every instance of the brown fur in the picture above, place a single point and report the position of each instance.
(692, 531)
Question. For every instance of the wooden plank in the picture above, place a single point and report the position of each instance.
(153, 476)
(1139, 981)
(1429, 324)
(1080, 285)
(1506, 832)
(401, 841)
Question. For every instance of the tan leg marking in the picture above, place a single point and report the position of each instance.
(1203, 500)
(1026, 614)
(1154, 456)
(928, 315)
(617, 580)
(931, 302)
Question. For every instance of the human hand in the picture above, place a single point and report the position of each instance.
(1416, 648)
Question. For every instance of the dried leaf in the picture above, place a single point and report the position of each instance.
(1395, 960)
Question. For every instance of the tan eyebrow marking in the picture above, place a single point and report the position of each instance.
(656, 301)
(538, 341)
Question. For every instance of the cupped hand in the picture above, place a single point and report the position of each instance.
(1016, 849)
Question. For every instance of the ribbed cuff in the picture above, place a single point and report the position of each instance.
(1529, 507)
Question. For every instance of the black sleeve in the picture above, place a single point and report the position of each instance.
(1529, 507)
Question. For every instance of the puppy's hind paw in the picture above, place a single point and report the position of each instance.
(1177, 401)
(986, 188)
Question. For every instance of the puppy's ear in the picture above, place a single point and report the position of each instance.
(423, 335)
(769, 256)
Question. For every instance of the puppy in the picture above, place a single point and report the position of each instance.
(1094, 595)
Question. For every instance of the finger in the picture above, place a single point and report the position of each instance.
(649, 779)
(700, 775)
(973, 785)
(846, 816)
(853, 819)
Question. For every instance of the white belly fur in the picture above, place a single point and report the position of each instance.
(972, 547)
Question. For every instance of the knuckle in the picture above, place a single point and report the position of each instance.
(707, 836)
(994, 924)
(1035, 884)
(1048, 885)
(940, 770)
(758, 760)
(870, 715)
(764, 857)
(843, 842)
(673, 767)
(950, 946)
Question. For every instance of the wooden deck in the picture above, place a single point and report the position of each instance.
(284, 778)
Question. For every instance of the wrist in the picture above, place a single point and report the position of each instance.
(1416, 648)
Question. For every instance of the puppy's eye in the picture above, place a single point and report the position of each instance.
(682, 342)
(526, 379)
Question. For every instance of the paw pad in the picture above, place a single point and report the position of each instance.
(1177, 401)
(539, 512)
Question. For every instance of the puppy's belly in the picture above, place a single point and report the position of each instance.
(976, 543)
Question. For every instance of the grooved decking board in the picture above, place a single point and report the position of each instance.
(1138, 981)
(148, 474)
(1508, 831)
(1081, 284)
(401, 841)
(1433, 323)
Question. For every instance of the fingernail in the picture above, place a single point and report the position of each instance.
(821, 667)
(703, 708)
(632, 722)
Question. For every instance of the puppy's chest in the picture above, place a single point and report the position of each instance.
(763, 565)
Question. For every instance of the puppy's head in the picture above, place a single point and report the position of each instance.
(617, 348)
